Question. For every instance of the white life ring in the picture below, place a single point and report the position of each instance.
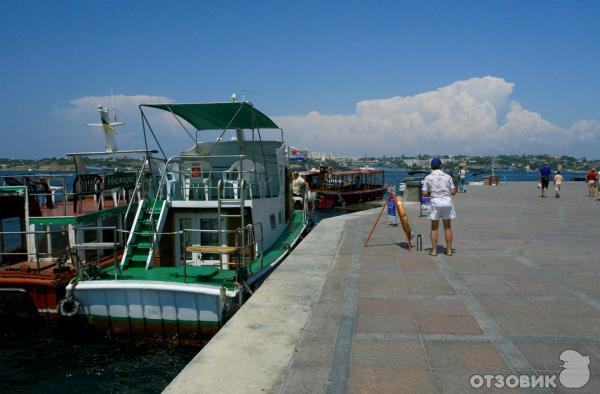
(68, 307)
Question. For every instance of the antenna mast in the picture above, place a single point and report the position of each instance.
(114, 107)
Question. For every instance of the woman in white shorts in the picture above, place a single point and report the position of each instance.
(440, 188)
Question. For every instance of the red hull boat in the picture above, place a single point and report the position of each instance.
(341, 188)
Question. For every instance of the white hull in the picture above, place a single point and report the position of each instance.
(149, 308)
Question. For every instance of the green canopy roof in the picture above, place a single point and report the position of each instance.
(218, 116)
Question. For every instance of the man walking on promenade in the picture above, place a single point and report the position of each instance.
(592, 178)
(558, 181)
(462, 176)
(545, 173)
(440, 187)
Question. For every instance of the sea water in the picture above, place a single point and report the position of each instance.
(394, 177)
(54, 362)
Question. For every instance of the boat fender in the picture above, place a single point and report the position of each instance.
(68, 307)
(403, 217)
(286, 246)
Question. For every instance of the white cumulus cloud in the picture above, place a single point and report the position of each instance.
(472, 116)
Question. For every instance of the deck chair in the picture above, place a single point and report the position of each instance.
(87, 185)
(11, 181)
(253, 173)
(197, 175)
(172, 181)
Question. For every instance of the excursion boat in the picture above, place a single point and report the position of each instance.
(43, 217)
(211, 224)
(340, 188)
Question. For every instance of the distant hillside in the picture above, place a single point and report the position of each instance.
(67, 164)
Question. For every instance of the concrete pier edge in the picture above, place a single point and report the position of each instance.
(259, 340)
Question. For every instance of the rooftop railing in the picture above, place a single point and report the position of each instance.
(196, 178)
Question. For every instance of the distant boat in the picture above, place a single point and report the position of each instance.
(341, 188)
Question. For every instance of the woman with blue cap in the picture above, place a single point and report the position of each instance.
(440, 188)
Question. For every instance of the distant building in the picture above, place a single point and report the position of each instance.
(422, 163)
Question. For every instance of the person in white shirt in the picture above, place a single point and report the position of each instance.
(462, 175)
(440, 188)
(298, 185)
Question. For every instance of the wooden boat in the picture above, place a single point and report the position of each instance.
(41, 218)
(211, 224)
(341, 188)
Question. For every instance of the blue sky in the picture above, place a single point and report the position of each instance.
(310, 65)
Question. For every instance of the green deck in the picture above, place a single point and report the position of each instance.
(211, 275)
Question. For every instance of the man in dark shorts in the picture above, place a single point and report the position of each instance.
(545, 173)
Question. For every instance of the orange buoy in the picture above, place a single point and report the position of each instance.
(403, 217)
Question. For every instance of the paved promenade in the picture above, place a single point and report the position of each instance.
(522, 287)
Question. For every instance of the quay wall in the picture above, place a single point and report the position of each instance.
(252, 351)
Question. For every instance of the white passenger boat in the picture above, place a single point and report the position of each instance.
(211, 223)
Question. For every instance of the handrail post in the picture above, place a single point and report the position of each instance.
(135, 189)
(184, 260)
(220, 227)
(65, 196)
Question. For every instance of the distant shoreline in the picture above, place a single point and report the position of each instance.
(56, 167)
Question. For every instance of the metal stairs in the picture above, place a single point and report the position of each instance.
(145, 234)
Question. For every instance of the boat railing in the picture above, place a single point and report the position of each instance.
(137, 188)
(246, 245)
(196, 178)
(57, 257)
(47, 190)
(247, 239)
(62, 194)
(82, 264)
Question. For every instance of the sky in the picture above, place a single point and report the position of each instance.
(374, 78)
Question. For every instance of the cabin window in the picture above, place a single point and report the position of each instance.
(195, 231)
(211, 238)
(279, 217)
(273, 222)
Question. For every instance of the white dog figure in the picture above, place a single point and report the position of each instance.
(576, 372)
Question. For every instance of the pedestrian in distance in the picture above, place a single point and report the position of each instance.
(558, 181)
(440, 188)
(462, 177)
(592, 179)
(545, 173)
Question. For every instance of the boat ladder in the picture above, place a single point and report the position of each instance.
(222, 219)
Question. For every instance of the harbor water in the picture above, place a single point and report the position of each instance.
(55, 362)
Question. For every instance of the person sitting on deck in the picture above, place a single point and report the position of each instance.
(439, 186)
(299, 185)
